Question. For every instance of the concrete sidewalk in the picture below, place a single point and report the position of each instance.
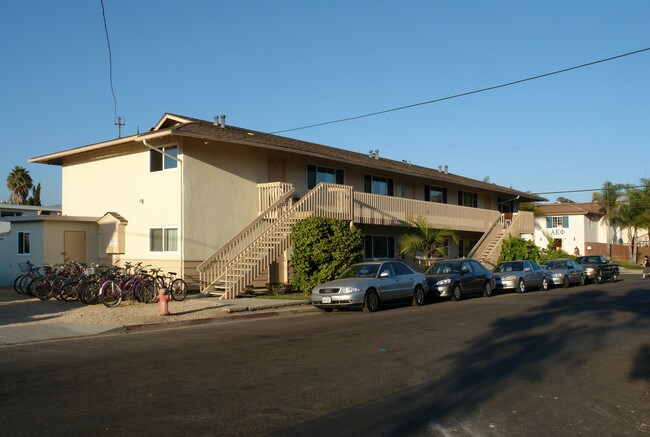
(24, 319)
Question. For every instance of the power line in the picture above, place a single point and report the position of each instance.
(119, 121)
(455, 96)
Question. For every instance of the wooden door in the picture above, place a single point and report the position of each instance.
(74, 245)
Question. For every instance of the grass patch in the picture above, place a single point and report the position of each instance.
(629, 265)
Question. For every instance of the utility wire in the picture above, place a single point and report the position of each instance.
(428, 102)
(119, 121)
(110, 59)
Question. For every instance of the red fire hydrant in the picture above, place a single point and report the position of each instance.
(162, 299)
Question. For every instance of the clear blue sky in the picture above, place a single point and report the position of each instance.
(273, 65)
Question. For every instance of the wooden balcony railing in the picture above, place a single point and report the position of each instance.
(385, 210)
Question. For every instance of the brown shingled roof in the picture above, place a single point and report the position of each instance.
(571, 209)
(192, 127)
(204, 129)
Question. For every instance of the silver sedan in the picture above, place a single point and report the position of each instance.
(520, 275)
(367, 285)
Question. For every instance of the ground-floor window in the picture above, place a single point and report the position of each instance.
(163, 239)
(465, 247)
(24, 243)
(379, 246)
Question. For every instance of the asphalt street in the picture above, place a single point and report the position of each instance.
(563, 362)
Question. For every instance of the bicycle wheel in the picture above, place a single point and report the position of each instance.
(178, 290)
(69, 291)
(146, 291)
(17, 284)
(110, 293)
(90, 293)
(57, 288)
(41, 288)
(23, 284)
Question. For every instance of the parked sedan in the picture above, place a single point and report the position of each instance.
(457, 277)
(565, 272)
(367, 285)
(520, 275)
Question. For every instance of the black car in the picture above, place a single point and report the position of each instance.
(458, 277)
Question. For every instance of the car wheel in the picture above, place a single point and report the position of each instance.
(566, 283)
(583, 280)
(418, 296)
(521, 286)
(457, 293)
(544, 286)
(599, 277)
(487, 289)
(615, 277)
(371, 301)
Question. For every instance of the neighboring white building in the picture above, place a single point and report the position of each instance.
(10, 210)
(574, 225)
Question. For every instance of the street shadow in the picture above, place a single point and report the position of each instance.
(641, 364)
(514, 347)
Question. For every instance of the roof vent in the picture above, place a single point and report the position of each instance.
(446, 169)
(223, 120)
(440, 169)
(376, 153)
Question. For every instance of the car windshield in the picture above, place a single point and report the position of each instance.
(510, 267)
(360, 271)
(443, 268)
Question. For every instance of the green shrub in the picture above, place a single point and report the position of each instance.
(279, 288)
(322, 249)
(518, 248)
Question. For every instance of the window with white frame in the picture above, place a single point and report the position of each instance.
(379, 246)
(24, 243)
(161, 162)
(163, 239)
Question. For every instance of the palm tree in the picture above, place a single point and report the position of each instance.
(428, 242)
(19, 183)
(607, 199)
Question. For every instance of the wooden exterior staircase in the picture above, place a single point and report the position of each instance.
(237, 263)
(488, 248)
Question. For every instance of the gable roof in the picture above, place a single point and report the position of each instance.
(173, 124)
(587, 208)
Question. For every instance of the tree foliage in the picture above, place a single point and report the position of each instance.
(35, 198)
(607, 199)
(564, 200)
(322, 249)
(427, 241)
(19, 183)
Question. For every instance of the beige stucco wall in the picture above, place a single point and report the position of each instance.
(121, 182)
(220, 196)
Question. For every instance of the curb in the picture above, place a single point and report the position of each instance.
(234, 315)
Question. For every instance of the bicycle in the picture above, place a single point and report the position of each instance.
(176, 287)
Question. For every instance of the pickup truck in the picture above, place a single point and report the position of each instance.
(598, 268)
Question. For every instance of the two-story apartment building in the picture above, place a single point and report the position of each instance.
(216, 202)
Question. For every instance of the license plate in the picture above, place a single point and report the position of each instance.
(327, 299)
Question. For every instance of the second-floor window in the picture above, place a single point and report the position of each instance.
(160, 162)
(468, 199)
(317, 174)
(378, 185)
(435, 194)
(557, 222)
